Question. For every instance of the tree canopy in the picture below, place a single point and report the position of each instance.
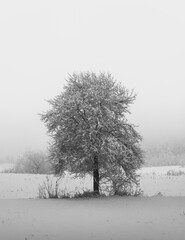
(89, 130)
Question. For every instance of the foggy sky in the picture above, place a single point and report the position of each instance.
(140, 42)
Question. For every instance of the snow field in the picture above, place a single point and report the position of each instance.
(113, 218)
(153, 180)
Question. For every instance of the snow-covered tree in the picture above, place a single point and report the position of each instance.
(89, 129)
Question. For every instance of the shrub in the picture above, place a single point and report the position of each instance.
(159, 194)
(119, 183)
(87, 194)
(129, 191)
(48, 189)
(175, 173)
(8, 170)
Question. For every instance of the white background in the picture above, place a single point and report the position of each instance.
(142, 43)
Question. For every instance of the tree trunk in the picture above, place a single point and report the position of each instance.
(96, 176)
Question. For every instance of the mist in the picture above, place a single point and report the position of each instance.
(141, 43)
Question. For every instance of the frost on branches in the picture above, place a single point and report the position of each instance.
(90, 133)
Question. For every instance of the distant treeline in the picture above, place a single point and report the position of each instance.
(7, 159)
(158, 155)
(166, 154)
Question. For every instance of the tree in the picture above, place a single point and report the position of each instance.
(33, 162)
(89, 130)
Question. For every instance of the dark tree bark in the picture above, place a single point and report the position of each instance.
(96, 177)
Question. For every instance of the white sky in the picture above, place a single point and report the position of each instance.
(142, 43)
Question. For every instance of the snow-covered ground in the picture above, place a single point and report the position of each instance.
(168, 181)
(116, 218)
(153, 180)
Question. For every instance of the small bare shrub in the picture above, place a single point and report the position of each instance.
(48, 189)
